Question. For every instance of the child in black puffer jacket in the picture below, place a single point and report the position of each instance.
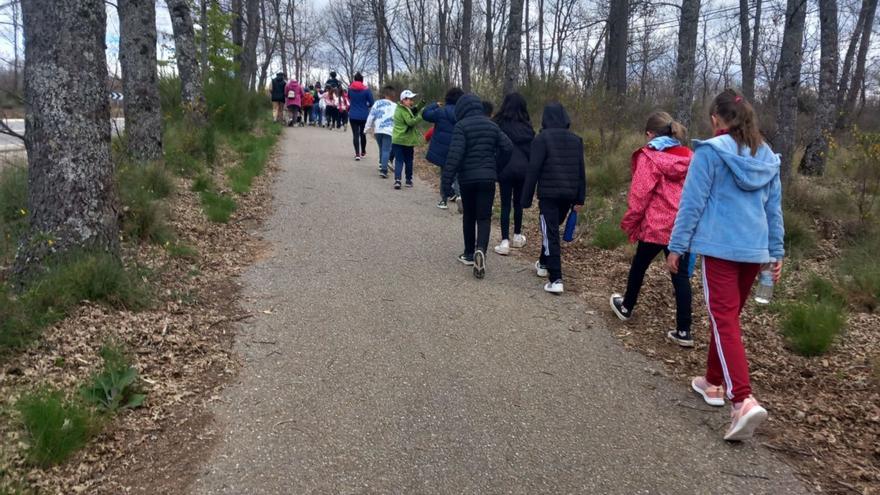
(556, 167)
(513, 119)
(477, 144)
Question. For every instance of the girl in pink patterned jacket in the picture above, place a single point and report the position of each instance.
(658, 172)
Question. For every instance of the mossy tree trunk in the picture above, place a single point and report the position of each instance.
(140, 84)
(187, 56)
(71, 192)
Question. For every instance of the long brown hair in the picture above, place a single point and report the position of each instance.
(742, 123)
(662, 124)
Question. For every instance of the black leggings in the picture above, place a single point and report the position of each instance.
(510, 196)
(645, 254)
(358, 137)
(476, 220)
(332, 115)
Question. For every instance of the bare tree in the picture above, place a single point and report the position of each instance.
(513, 54)
(351, 36)
(858, 77)
(248, 70)
(687, 60)
(71, 195)
(813, 162)
(140, 85)
(749, 52)
(466, 17)
(615, 49)
(186, 54)
(270, 42)
(789, 73)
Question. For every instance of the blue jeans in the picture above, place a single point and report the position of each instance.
(384, 143)
(403, 157)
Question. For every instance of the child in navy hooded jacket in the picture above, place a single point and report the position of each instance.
(731, 214)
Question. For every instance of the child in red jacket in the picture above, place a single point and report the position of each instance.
(658, 172)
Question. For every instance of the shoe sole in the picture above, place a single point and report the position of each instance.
(708, 400)
(479, 264)
(502, 252)
(682, 343)
(617, 312)
(465, 262)
(542, 272)
(551, 291)
(747, 425)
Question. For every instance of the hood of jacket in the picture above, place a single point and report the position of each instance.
(750, 172)
(673, 167)
(555, 117)
(468, 105)
(357, 86)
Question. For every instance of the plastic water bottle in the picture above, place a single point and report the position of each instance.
(764, 291)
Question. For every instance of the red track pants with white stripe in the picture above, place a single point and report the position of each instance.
(726, 286)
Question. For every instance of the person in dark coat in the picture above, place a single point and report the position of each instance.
(477, 145)
(333, 82)
(443, 118)
(513, 119)
(278, 95)
(556, 167)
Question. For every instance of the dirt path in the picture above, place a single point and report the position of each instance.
(378, 364)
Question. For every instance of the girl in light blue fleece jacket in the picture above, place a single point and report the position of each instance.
(731, 214)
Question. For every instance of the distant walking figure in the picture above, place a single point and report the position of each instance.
(361, 99)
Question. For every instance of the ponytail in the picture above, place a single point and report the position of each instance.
(739, 115)
(662, 124)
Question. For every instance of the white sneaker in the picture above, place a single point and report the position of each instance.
(503, 248)
(519, 241)
(554, 287)
(541, 270)
(745, 420)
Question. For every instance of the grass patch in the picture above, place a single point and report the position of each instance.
(607, 178)
(810, 328)
(116, 386)
(141, 189)
(13, 209)
(217, 206)
(254, 152)
(860, 272)
(181, 250)
(800, 239)
(607, 234)
(56, 427)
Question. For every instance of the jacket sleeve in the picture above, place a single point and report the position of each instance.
(775, 226)
(431, 112)
(505, 150)
(536, 161)
(641, 190)
(453, 159)
(694, 198)
(582, 176)
(370, 99)
(371, 118)
(410, 119)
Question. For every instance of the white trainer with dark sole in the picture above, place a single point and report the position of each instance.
(479, 264)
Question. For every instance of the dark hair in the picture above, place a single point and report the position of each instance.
(742, 123)
(662, 124)
(488, 108)
(389, 92)
(514, 109)
(332, 73)
(358, 77)
(453, 95)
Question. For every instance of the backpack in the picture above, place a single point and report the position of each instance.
(308, 99)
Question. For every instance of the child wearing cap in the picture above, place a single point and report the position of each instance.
(405, 136)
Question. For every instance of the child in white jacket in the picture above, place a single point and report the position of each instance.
(381, 122)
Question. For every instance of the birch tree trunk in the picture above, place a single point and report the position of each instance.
(790, 58)
(186, 55)
(615, 52)
(687, 60)
(813, 162)
(466, 17)
(140, 85)
(514, 47)
(71, 195)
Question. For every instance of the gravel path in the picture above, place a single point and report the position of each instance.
(378, 364)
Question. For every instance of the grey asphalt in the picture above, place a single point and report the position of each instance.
(377, 364)
(13, 144)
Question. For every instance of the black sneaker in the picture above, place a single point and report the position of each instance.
(617, 306)
(409, 183)
(397, 184)
(442, 205)
(453, 199)
(479, 264)
(383, 175)
(681, 337)
(466, 259)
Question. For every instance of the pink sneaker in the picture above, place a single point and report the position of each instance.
(712, 394)
(746, 417)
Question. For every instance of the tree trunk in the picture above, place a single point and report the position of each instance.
(248, 71)
(269, 45)
(466, 16)
(186, 55)
(489, 54)
(846, 69)
(280, 40)
(790, 58)
(71, 195)
(745, 60)
(514, 46)
(858, 77)
(237, 31)
(541, 69)
(527, 28)
(813, 162)
(687, 60)
(140, 84)
(615, 52)
(203, 40)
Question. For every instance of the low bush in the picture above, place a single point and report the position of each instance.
(800, 239)
(13, 209)
(607, 233)
(217, 206)
(202, 183)
(810, 328)
(181, 250)
(141, 187)
(860, 271)
(254, 153)
(116, 386)
(56, 427)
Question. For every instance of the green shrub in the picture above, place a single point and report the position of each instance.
(607, 179)
(56, 427)
(607, 233)
(181, 250)
(202, 183)
(231, 107)
(13, 209)
(140, 189)
(254, 151)
(800, 239)
(217, 207)
(860, 271)
(810, 328)
(823, 290)
(116, 386)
